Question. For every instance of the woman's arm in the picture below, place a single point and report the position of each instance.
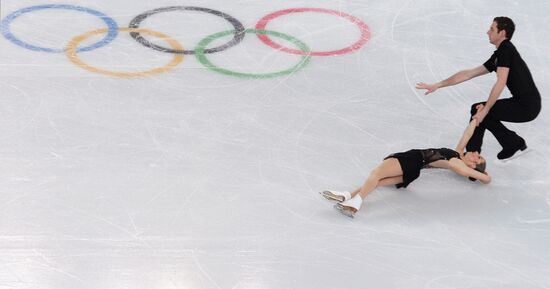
(459, 167)
(466, 137)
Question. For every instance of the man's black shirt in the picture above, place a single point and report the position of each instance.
(520, 82)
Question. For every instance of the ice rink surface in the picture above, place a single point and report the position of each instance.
(191, 178)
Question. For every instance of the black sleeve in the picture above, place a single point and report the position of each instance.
(505, 57)
(490, 64)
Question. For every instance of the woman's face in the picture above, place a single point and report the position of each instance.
(471, 159)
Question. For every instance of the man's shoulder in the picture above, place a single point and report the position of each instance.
(506, 45)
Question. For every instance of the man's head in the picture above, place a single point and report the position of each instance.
(501, 28)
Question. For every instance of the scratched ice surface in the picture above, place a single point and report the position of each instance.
(195, 179)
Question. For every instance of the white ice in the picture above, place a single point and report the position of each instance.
(195, 179)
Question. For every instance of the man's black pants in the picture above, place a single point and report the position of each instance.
(509, 110)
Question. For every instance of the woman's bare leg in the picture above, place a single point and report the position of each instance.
(390, 181)
(389, 172)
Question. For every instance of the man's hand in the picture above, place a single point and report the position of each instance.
(481, 113)
(428, 87)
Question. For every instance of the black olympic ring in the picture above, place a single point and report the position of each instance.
(238, 35)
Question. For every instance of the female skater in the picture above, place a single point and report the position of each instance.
(400, 169)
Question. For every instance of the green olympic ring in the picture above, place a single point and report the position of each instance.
(201, 56)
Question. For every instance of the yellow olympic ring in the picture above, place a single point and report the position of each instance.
(70, 51)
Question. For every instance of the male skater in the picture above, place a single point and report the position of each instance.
(511, 70)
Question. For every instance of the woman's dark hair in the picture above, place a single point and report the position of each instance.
(506, 24)
(480, 168)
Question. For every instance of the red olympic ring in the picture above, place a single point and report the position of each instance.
(365, 33)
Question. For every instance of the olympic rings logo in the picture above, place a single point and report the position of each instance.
(72, 49)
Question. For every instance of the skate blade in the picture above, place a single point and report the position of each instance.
(515, 156)
(345, 210)
(331, 197)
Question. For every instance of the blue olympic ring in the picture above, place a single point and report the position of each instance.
(5, 27)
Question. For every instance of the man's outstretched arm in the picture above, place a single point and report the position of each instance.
(456, 78)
